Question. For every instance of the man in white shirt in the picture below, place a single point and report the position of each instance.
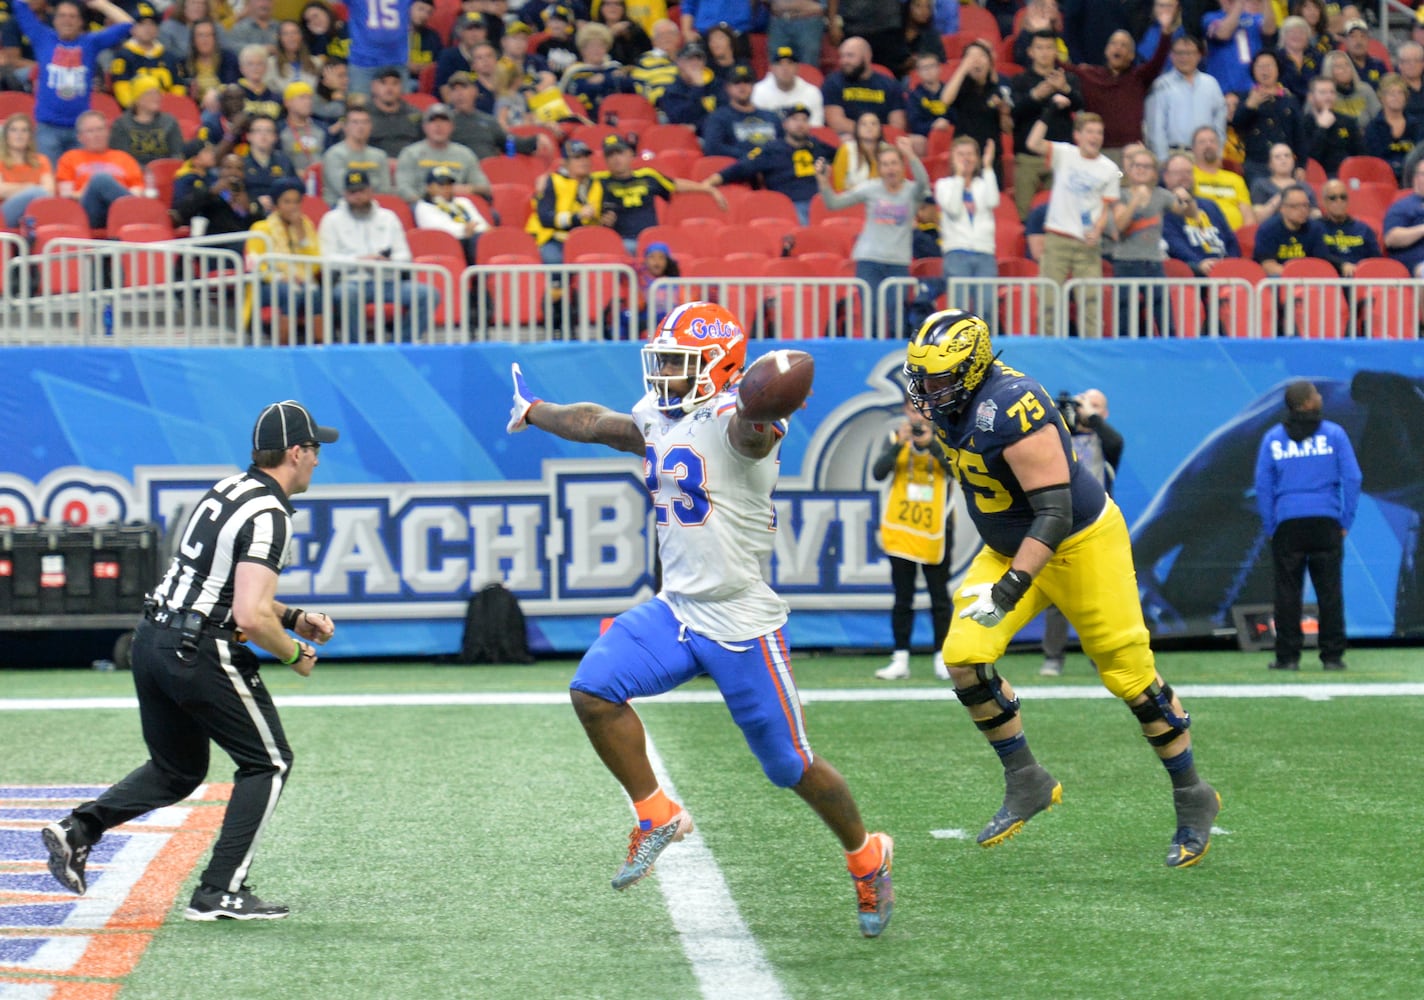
(1085, 185)
(783, 88)
(1182, 100)
(360, 230)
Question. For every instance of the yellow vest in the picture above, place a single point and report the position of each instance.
(566, 201)
(913, 516)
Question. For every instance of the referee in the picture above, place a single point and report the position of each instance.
(197, 681)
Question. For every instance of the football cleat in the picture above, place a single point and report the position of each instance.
(67, 856)
(1197, 807)
(211, 903)
(644, 846)
(1027, 792)
(875, 893)
(1283, 665)
(1052, 667)
(941, 670)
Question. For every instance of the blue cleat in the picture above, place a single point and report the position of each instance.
(644, 846)
(875, 893)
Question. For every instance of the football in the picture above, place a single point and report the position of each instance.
(776, 385)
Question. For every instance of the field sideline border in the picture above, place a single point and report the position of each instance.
(1310, 691)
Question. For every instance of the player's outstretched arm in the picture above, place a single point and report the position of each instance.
(586, 422)
(754, 439)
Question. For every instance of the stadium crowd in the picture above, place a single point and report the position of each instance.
(1257, 132)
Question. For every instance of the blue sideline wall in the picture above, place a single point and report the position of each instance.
(426, 497)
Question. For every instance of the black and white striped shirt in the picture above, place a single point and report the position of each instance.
(244, 518)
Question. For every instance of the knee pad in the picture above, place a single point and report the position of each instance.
(1158, 706)
(989, 688)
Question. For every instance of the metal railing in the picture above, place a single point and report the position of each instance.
(208, 291)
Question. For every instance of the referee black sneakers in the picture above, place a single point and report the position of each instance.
(211, 903)
(67, 854)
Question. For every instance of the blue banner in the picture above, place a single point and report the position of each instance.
(425, 498)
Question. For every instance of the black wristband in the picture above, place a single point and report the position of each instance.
(1010, 589)
(291, 616)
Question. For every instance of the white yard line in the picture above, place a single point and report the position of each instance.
(1308, 691)
(725, 957)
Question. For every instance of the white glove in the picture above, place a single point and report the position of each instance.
(984, 611)
(524, 401)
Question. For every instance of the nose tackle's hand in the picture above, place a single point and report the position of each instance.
(524, 401)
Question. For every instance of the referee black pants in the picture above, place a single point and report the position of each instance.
(217, 696)
(1313, 543)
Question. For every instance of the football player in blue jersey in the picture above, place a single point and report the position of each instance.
(1051, 536)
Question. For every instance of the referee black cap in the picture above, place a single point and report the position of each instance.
(282, 425)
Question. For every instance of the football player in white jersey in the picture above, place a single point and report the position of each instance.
(711, 474)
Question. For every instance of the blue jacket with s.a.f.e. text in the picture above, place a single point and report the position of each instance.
(1316, 476)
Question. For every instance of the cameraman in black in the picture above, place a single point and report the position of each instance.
(1099, 447)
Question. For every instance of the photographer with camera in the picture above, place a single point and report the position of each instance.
(1099, 448)
(917, 533)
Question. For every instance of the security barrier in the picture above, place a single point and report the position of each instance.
(208, 291)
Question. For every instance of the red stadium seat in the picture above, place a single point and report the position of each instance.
(736, 239)
(1238, 306)
(661, 137)
(513, 202)
(765, 205)
(1389, 304)
(398, 205)
(313, 208)
(1357, 170)
(132, 208)
(693, 204)
(837, 240)
(517, 298)
(617, 107)
(452, 299)
(1319, 308)
(705, 166)
(163, 171)
(595, 240)
(56, 211)
(519, 169)
(977, 22)
(16, 102)
(505, 240)
(811, 74)
(433, 243)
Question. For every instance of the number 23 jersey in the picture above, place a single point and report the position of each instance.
(1007, 408)
(715, 521)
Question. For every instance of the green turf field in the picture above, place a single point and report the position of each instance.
(464, 850)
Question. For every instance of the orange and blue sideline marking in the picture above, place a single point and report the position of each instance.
(55, 945)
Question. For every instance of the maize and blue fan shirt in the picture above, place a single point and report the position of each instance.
(783, 167)
(1006, 408)
(1276, 241)
(1407, 211)
(66, 69)
(380, 32)
(876, 94)
(633, 199)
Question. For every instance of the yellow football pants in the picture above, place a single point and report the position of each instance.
(1092, 581)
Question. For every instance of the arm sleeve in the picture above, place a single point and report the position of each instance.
(1112, 441)
(885, 462)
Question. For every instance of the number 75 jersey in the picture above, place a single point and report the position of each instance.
(715, 521)
(1008, 407)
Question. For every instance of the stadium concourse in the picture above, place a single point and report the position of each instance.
(526, 241)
